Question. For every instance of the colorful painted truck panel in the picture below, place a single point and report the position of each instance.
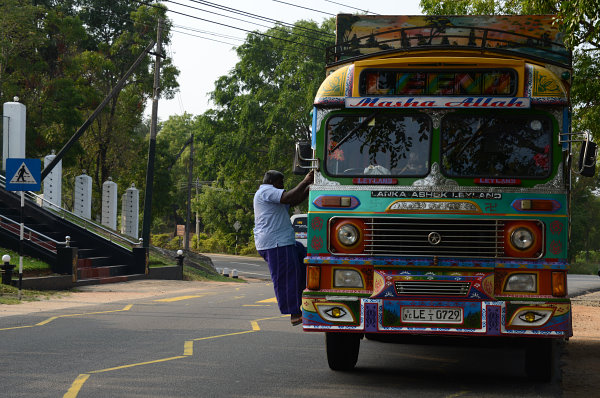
(440, 206)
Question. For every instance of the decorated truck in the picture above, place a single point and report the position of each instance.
(442, 150)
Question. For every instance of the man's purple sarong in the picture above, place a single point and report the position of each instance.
(288, 273)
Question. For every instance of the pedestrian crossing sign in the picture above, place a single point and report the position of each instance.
(23, 174)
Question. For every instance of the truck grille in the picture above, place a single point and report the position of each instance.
(430, 237)
(432, 288)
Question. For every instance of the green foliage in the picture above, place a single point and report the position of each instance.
(30, 264)
(249, 249)
(586, 263)
(10, 295)
(62, 59)
(585, 89)
(578, 19)
(262, 108)
(218, 242)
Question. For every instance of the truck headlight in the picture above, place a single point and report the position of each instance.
(522, 238)
(347, 278)
(521, 283)
(348, 235)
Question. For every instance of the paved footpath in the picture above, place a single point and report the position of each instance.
(580, 362)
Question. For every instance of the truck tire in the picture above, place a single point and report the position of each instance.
(539, 360)
(342, 350)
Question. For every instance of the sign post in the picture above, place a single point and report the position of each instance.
(23, 175)
(236, 225)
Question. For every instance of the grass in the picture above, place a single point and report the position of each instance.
(10, 295)
(195, 274)
(30, 264)
(200, 272)
(156, 259)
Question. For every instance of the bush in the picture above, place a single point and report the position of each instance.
(586, 263)
(218, 243)
(248, 250)
(161, 240)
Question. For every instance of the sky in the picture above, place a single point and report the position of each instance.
(205, 50)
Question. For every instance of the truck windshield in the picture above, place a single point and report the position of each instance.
(496, 146)
(396, 145)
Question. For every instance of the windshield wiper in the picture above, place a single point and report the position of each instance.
(353, 131)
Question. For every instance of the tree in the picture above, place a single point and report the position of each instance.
(117, 33)
(262, 107)
(578, 19)
(37, 51)
(62, 58)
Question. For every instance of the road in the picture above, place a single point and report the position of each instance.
(248, 267)
(228, 340)
(256, 267)
(582, 284)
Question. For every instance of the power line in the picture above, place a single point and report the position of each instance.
(215, 13)
(229, 26)
(259, 17)
(179, 27)
(306, 8)
(345, 5)
(206, 32)
(239, 19)
(202, 37)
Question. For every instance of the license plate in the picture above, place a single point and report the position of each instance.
(432, 314)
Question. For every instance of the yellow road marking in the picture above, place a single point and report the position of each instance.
(188, 347)
(76, 386)
(271, 317)
(179, 298)
(47, 321)
(188, 350)
(271, 300)
(137, 364)
(223, 335)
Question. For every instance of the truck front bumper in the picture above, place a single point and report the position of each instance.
(484, 318)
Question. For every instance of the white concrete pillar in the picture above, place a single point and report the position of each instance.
(82, 198)
(13, 131)
(131, 212)
(123, 206)
(109, 204)
(53, 183)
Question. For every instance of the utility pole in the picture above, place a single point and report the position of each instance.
(152, 144)
(189, 196)
(197, 219)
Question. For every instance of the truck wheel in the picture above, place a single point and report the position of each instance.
(342, 350)
(539, 360)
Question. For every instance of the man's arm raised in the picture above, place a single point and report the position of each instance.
(299, 193)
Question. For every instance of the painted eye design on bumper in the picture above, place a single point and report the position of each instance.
(336, 312)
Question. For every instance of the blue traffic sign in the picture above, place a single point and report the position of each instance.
(23, 174)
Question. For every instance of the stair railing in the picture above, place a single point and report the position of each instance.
(35, 237)
(88, 225)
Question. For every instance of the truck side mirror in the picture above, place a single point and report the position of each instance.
(302, 158)
(587, 159)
